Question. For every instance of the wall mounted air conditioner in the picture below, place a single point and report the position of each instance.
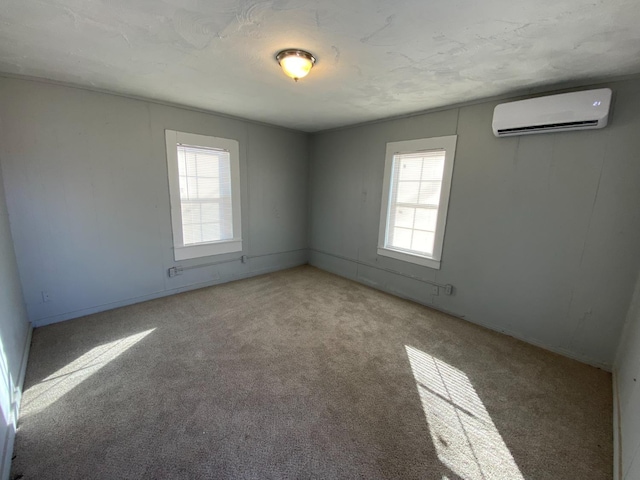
(555, 113)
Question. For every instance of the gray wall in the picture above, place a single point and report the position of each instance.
(87, 190)
(627, 396)
(543, 232)
(542, 241)
(14, 336)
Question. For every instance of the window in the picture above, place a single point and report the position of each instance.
(204, 186)
(417, 181)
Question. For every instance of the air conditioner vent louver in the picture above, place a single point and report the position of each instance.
(547, 127)
(555, 113)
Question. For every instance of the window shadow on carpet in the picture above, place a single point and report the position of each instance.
(467, 441)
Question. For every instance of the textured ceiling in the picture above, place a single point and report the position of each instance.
(376, 58)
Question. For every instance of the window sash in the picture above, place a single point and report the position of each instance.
(204, 175)
(396, 235)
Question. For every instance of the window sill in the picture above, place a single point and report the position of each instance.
(408, 257)
(207, 249)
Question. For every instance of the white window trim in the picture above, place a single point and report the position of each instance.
(185, 252)
(448, 144)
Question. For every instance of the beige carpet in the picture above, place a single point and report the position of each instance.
(303, 374)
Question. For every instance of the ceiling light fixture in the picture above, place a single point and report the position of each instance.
(295, 63)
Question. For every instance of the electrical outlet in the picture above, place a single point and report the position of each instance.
(435, 290)
(46, 296)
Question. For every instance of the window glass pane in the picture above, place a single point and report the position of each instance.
(190, 213)
(192, 233)
(182, 168)
(429, 193)
(210, 232)
(210, 212)
(410, 168)
(208, 188)
(426, 219)
(401, 238)
(190, 162)
(226, 223)
(433, 167)
(183, 186)
(408, 192)
(224, 172)
(192, 189)
(422, 242)
(208, 165)
(403, 217)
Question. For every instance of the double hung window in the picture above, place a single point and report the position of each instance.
(417, 182)
(204, 186)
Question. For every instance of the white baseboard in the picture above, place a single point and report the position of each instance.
(16, 396)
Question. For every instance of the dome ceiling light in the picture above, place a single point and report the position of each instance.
(295, 63)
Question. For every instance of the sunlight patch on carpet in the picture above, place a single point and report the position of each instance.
(52, 388)
(466, 439)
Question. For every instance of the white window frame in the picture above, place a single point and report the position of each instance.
(446, 143)
(180, 250)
